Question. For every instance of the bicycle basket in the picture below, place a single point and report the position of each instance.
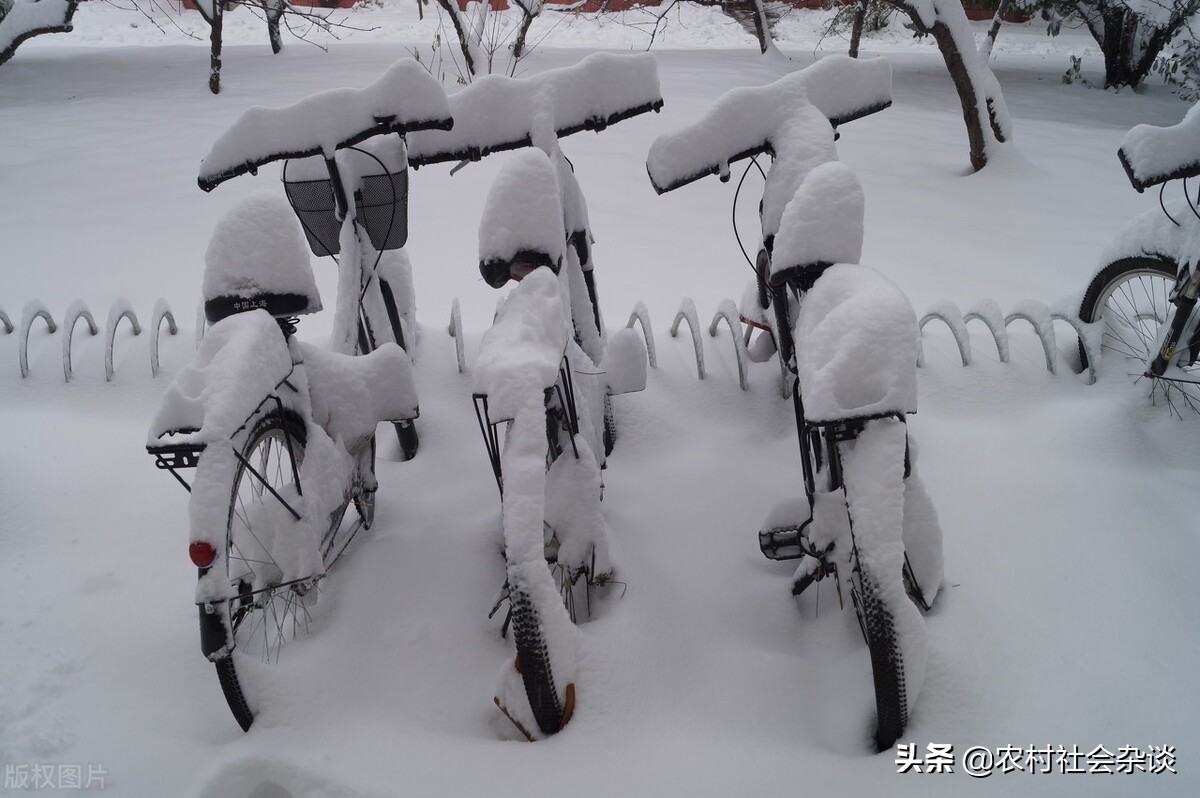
(386, 222)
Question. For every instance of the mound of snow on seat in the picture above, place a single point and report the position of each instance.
(519, 356)
(856, 351)
(824, 221)
(523, 210)
(1152, 153)
(257, 247)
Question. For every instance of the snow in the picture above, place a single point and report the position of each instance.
(405, 97)
(856, 351)
(1153, 154)
(351, 394)
(523, 211)
(521, 352)
(1069, 554)
(242, 358)
(496, 113)
(747, 121)
(31, 17)
(822, 223)
(624, 363)
(257, 248)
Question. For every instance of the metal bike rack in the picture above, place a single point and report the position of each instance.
(78, 310)
(120, 309)
(6, 321)
(34, 309)
(1039, 316)
(456, 332)
(161, 311)
(642, 316)
(728, 311)
(687, 312)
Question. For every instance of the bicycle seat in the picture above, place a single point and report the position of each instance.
(257, 258)
(821, 225)
(521, 228)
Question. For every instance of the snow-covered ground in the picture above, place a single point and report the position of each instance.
(1066, 616)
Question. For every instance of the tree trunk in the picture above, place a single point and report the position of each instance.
(274, 11)
(762, 28)
(967, 96)
(456, 18)
(1125, 62)
(214, 75)
(860, 16)
(985, 48)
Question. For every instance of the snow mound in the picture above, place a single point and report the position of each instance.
(856, 351)
(257, 248)
(1153, 155)
(496, 113)
(352, 393)
(405, 97)
(520, 355)
(823, 223)
(523, 211)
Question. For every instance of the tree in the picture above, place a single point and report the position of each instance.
(1131, 33)
(984, 110)
(20, 21)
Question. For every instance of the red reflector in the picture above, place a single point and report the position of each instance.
(202, 554)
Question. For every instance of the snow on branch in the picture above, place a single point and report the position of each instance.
(33, 18)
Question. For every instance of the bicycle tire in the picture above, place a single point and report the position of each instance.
(887, 662)
(533, 663)
(1131, 297)
(272, 612)
(406, 431)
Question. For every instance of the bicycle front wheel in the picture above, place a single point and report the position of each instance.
(1131, 297)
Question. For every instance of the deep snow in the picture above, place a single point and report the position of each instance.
(1065, 617)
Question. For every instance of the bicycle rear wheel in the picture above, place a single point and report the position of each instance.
(268, 612)
(887, 663)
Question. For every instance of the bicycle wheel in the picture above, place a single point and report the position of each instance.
(1132, 298)
(406, 431)
(887, 663)
(533, 663)
(267, 612)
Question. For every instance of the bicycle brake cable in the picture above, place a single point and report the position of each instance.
(733, 211)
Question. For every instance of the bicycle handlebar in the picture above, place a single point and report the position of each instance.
(1152, 155)
(744, 121)
(404, 99)
(497, 113)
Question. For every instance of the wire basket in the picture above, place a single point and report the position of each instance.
(381, 205)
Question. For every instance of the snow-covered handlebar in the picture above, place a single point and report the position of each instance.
(404, 99)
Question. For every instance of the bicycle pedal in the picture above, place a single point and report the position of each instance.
(781, 543)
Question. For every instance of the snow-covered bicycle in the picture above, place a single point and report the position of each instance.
(546, 371)
(281, 433)
(1145, 295)
(847, 340)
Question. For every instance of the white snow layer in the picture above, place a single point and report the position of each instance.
(257, 247)
(856, 346)
(519, 356)
(823, 223)
(1152, 234)
(497, 112)
(242, 358)
(323, 121)
(624, 363)
(351, 394)
(33, 16)
(749, 119)
(873, 468)
(523, 210)
(1152, 153)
